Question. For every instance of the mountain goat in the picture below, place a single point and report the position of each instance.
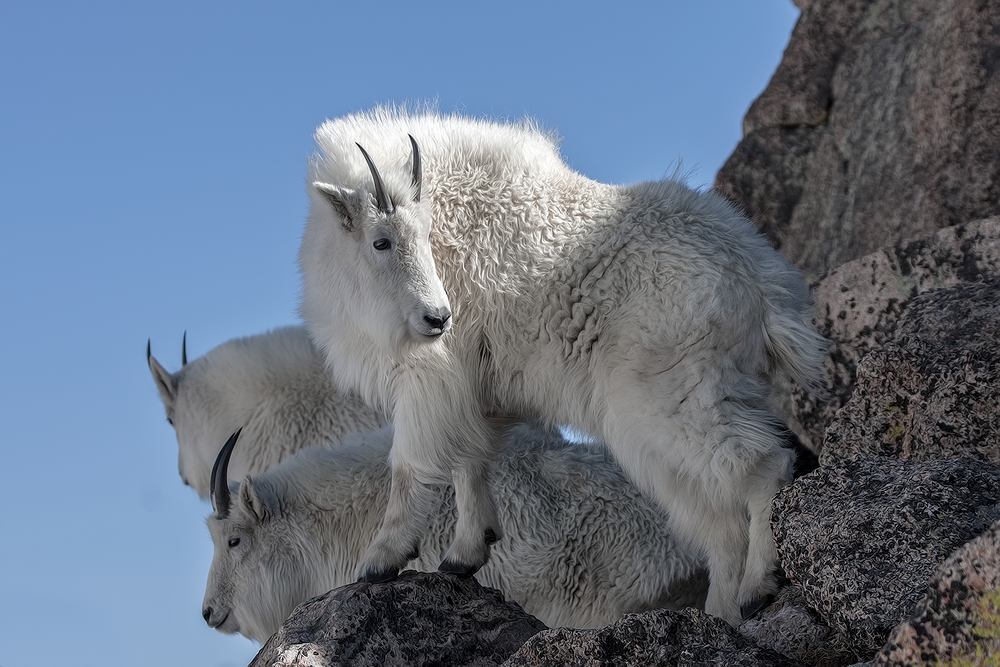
(274, 385)
(582, 546)
(478, 275)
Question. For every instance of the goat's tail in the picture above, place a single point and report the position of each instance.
(794, 347)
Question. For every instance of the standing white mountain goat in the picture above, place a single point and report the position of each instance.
(274, 385)
(478, 275)
(582, 546)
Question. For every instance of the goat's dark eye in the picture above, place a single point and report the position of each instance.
(382, 244)
(233, 542)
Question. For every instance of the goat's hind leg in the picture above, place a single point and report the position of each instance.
(477, 527)
(759, 585)
(406, 519)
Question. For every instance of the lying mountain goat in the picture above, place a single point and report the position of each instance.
(651, 316)
(582, 547)
(273, 385)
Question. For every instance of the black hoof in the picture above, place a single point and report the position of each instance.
(751, 608)
(380, 575)
(459, 569)
(491, 536)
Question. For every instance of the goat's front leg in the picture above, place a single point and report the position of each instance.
(406, 519)
(477, 527)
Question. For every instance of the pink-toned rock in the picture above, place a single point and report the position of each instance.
(859, 304)
(934, 390)
(959, 618)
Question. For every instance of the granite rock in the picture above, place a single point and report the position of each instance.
(662, 638)
(859, 304)
(959, 617)
(418, 619)
(862, 538)
(880, 125)
(934, 390)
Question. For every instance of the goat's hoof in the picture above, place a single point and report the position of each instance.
(378, 575)
(748, 609)
(459, 569)
(491, 536)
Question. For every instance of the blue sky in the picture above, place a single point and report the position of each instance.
(152, 173)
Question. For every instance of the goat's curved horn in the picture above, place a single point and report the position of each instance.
(149, 349)
(184, 349)
(384, 203)
(220, 477)
(416, 166)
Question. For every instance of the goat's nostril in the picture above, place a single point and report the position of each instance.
(207, 614)
(437, 321)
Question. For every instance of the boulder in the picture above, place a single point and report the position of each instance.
(862, 538)
(661, 638)
(933, 391)
(418, 619)
(958, 620)
(859, 304)
(790, 628)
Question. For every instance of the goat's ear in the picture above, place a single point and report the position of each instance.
(258, 499)
(165, 382)
(346, 203)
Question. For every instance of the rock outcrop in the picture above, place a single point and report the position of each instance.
(859, 304)
(418, 619)
(861, 539)
(934, 390)
(880, 125)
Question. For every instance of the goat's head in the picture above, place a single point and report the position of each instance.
(366, 257)
(202, 407)
(256, 577)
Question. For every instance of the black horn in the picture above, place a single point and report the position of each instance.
(416, 167)
(184, 349)
(220, 477)
(384, 203)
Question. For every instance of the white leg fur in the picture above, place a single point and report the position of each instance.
(406, 520)
(718, 456)
(477, 527)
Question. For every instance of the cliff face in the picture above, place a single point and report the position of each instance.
(880, 125)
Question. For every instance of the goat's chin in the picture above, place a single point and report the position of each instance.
(421, 336)
(420, 332)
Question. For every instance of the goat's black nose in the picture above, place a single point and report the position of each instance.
(438, 321)
(207, 614)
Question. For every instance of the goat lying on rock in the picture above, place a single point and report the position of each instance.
(273, 385)
(582, 547)
(478, 275)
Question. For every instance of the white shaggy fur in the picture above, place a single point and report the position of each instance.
(274, 386)
(582, 547)
(651, 316)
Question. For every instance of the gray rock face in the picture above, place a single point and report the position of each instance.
(862, 538)
(933, 391)
(959, 617)
(859, 304)
(880, 125)
(418, 619)
(657, 638)
(790, 628)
